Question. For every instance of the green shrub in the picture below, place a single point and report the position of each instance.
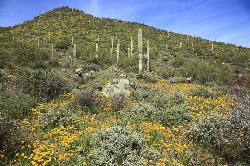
(63, 44)
(86, 98)
(15, 104)
(148, 77)
(204, 71)
(59, 117)
(202, 92)
(9, 137)
(163, 101)
(141, 94)
(226, 136)
(43, 84)
(165, 71)
(118, 101)
(118, 146)
(28, 55)
(138, 113)
(175, 116)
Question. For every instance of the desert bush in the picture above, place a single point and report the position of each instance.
(86, 98)
(142, 94)
(175, 115)
(165, 71)
(117, 146)
(118, 101)
(202, 92)
(15, 104)
(148, 77)
(63, 44)
(59, 117)
(138, 113)
(43, 84)
(204, 71)
(128, 64)
(31, 56)
(162, 101)
(226, 136)
(9, 137)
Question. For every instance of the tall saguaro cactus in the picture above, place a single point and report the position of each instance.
(52, 50)
(13, 37)
(140, 47)
(212, 47)
(180, 45)
(72, 40)
(49, 36)
(38, 41)
(131, 47)
(192, 45)
(148, 49)
(118, 51)
(74, 53)
(128, 49)
(97, 47)
(166, 47)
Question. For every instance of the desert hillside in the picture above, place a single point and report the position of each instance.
(81, 90)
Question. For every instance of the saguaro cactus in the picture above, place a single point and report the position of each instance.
(212, 47)
(131, 47)
(148, 49)
(13, 37)
(128, 49)
(180, 45)
(49, 36)
(140, 47)
(38, 41)
(74, 53)
(52, 50)
(97, 46)
(118, 51)
(72, 40)
(166, 47)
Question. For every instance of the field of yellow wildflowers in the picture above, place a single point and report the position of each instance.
(156, 124)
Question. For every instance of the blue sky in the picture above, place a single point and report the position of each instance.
(223, 20)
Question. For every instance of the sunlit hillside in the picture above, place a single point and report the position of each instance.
(81, 90)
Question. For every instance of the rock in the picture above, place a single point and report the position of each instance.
(117, 86)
